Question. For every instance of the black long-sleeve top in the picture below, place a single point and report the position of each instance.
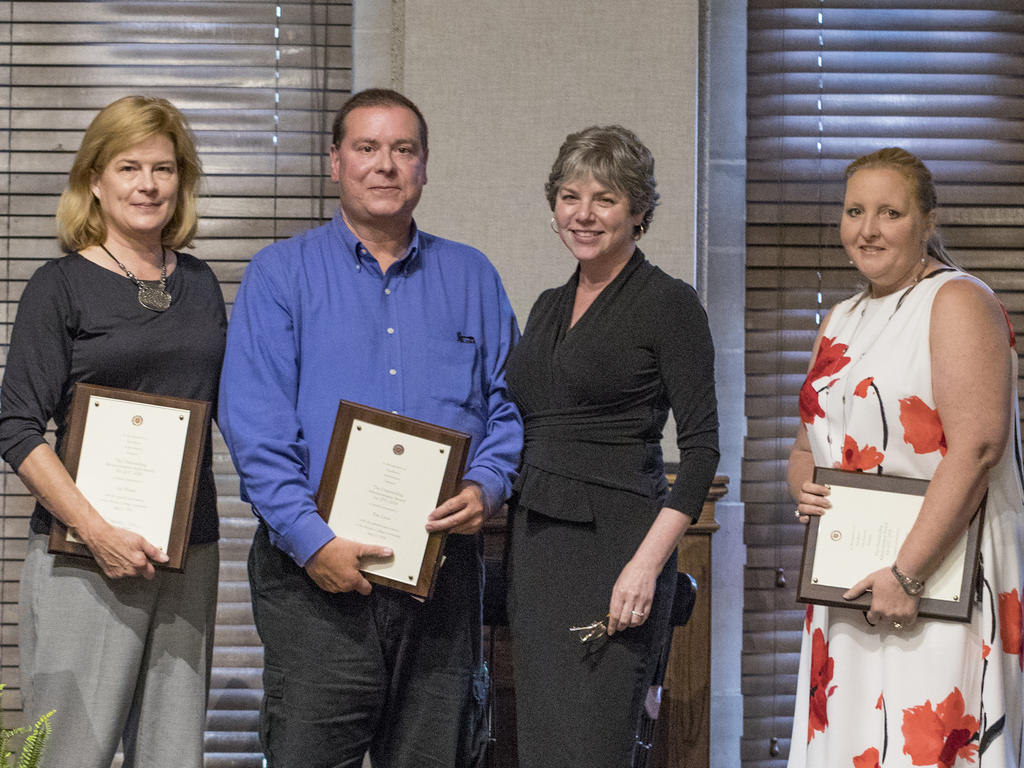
(595, 397)
(76, 322)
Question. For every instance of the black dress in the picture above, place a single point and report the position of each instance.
(594, 400)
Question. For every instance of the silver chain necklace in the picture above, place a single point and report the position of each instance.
(154, 297)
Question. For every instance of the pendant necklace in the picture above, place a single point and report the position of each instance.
(152, 293)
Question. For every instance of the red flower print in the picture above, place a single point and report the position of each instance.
(922, 428)
(821, 675)
(807, 617)
(939, 736)
(862, 386)
(829, 361)
(867, 759)
(1011, 619)
(860, 459)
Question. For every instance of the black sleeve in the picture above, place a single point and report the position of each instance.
(686, 362)
(38, 363)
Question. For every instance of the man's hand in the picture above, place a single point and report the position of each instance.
(335, 566)
(462, 513)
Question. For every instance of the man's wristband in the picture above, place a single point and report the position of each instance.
(912, 587)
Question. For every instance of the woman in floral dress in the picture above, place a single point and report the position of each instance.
(915, 376)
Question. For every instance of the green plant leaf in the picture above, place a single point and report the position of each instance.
(32, 750)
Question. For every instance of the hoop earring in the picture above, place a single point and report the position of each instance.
(554, 226)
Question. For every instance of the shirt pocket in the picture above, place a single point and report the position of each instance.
(449, 373)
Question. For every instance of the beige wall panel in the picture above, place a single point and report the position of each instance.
(502, 84)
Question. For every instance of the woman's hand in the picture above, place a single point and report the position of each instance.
(890, 604)
(812, 500)
(632, 595)
(121, 553)
(118, 552)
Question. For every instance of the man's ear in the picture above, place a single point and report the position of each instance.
(335, 156)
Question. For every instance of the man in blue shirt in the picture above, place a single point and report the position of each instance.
(367, 308)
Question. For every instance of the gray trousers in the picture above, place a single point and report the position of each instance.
(118, 659)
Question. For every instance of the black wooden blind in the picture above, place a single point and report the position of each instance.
(259, 82)
(829, 81)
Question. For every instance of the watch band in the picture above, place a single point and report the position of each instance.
(912, 587)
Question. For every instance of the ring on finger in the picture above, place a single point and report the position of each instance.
(796, 513)
(637, 613)
(897, 626)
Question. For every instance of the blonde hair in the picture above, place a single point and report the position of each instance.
(119, 126)
(910, 167)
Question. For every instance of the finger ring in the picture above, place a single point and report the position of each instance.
(637, 613)
(897, 626)
(796, 512)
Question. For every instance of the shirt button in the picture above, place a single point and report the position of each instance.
(392, 371)
(387, 291)
(391, 330)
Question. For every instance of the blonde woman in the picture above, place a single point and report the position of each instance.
(913, 376)
(120, 649)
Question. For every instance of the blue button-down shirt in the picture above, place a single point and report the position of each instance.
(315, 321)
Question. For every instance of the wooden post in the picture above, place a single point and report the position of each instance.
(682, 736)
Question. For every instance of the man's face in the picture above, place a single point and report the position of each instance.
(380, 164)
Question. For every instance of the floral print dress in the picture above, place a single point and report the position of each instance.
(942, 693)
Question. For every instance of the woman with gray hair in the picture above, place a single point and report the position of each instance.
(594, 526)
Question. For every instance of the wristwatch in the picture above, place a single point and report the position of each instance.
(912, 587)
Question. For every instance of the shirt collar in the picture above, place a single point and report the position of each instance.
(354, 248)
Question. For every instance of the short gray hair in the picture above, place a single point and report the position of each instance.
(615, 157)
